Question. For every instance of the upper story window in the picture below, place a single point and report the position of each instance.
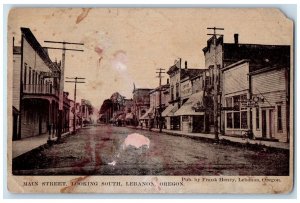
(25, 75)
(29, 76)
(172, 92)
(177, 90)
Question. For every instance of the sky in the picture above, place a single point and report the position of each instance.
(125, 46)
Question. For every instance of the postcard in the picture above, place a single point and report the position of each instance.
(150, 100)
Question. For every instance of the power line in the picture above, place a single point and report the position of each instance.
(216, 81)
(61, 85)
(75, 81)
(160, 71)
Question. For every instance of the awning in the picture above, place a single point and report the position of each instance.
(129, 116)
(188, 108)
(170, 110)
(146, 115)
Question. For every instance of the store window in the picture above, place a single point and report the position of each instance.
(229, 120)
(236, 118)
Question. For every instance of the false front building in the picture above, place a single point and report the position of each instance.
(252, 88)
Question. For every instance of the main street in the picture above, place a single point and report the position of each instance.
(100, 150)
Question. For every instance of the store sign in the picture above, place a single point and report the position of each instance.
(251, 103)
(49, 74)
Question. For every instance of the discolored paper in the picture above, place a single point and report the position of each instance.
(123, 50)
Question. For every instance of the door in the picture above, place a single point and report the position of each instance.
(40, 123)
(264, 123)
(271, 121)
(198, 124)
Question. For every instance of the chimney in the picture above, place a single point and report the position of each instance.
(185, 64)
(167, 81)
(236, 38)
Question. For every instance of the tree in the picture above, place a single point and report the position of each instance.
(106, 105)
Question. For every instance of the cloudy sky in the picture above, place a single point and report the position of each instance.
(126, 46)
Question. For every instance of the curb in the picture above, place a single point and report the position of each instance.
(221, 140)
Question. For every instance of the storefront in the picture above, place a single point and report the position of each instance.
(236, 117)
(147, 119)
(237, 120)
(270, 118)
(191, 119)
(172, 122)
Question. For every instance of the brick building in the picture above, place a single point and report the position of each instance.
(180, 92)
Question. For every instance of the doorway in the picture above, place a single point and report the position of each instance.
(198, 124)
(272, 123)
(264, 123)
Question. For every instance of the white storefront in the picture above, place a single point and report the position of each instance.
(235, 90)
(270, 117)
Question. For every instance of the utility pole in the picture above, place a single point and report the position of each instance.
(75, 81)
(62, 70)
(216, 82)
(160, 71)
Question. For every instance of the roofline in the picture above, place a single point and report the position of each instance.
(235, 64)
(30, 38)
(166, 86)
(270, 45)
(263, 70)
(136, 89)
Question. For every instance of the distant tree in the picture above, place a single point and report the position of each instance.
(106, 105)
(89, 105)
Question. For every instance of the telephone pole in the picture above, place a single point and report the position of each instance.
(216, 82)
(75, 81)
(160, 71)
(62, 70)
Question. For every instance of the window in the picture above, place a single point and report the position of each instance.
(244, 123)
(29, 79)
(236, 120)
(36, 77)
(257, 118)
(172, 93)
(236, 102)
(229, 120)
(33, 77)
(229, 102)
(177, 90)
(279, 118)
(25, 76)
(238, 117)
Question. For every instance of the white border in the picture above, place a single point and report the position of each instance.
(147, 3)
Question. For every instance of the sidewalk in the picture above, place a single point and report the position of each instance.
(25, 145)
(277, 145)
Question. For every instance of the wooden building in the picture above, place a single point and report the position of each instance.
(36, 90)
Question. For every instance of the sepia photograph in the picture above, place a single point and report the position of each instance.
(155, 98)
